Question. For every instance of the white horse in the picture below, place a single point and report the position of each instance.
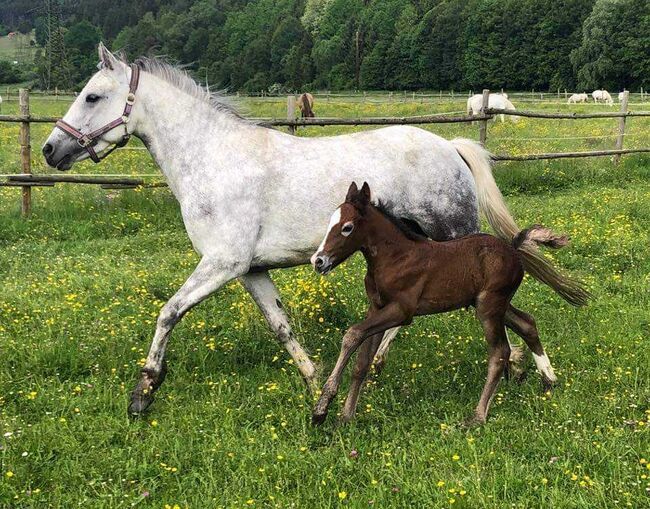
(0, 103)
(621, 95)
(602, 95)
(232, 179)
(578, 98)
(501, 101)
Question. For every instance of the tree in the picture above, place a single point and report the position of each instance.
(81, 41)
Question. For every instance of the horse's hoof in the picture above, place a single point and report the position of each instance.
(473, 421)
(139, 403)
(142, 395)
(318, 419)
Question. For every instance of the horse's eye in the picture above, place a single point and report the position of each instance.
(92, 98)
(347, 229)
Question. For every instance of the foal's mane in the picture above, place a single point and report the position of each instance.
(407, 230)
(181, 79)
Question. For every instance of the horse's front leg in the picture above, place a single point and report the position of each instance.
(209, 275)
(376, 322)
(266, 296)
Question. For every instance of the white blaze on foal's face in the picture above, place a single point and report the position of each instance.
(317, 257)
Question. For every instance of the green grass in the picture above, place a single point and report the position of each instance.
(83, 279)
(17, 47)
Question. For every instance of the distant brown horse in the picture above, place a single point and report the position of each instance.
(306, 105)
(409, 275)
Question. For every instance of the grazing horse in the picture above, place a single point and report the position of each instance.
(306, 105)
(409, 275)
(578, 98)
(501, 101)
(602, 96)
(233, 177)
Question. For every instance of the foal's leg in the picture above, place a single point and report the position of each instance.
(361, 368)
(382, 351)
(207, 278)
(491, 311)
(524, 325)
(376, 322)
(267, 298)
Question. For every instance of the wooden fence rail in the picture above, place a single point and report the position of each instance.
(26, 180)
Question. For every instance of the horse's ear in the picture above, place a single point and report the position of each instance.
(364, 194)
(353, 190)
(106, 58)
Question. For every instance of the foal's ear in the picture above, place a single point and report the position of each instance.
(364, 194)
(353, 190)
(106, 58)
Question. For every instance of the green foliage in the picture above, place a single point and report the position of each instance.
(10, 72)
(615, 46)
(81, 41)
(372, 44)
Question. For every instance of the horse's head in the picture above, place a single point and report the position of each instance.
(98, 112)
(346, 230)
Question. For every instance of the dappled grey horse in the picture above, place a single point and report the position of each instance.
(232, 178)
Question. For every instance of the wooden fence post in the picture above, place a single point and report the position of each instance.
(621, 126)
(291, 112)
(482, 133)
(25, 150)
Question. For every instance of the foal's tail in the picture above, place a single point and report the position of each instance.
(498, 216)
(538, 234)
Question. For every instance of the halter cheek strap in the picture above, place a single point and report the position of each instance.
(88, 141)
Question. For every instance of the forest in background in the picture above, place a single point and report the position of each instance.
(279, 45)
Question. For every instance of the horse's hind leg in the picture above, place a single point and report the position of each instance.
(524, 325)
(490, 311)
(266, 296)
(382, 352)
(361, 368)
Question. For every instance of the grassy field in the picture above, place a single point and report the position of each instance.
(17, 47)
(83, 279)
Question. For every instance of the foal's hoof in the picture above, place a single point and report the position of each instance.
(547, 384)
(142, 395)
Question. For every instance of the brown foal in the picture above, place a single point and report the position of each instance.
(409, 275)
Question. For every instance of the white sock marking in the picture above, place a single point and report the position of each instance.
(544, 367)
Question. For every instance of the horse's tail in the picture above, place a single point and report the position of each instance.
(469, 106)
(498, 216)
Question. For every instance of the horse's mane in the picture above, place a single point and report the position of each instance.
(181, 79)
(407, 229)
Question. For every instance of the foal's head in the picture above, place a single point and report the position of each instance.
(345, 233)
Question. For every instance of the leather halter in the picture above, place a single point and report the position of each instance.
(88, 141)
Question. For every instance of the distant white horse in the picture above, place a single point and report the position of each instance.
(578, 98)
(602, 96)
(233, 179)
(501, 101)
(621, 95)
(0, 103)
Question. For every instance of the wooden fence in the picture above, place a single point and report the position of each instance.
(26, 180)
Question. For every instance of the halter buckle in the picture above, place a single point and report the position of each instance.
(125, 119)
(130, 99)
(84, 141)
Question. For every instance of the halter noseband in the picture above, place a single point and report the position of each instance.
(88, 141)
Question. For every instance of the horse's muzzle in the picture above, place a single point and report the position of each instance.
(323, 264)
